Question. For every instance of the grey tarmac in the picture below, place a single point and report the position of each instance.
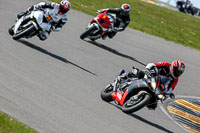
(54, 86)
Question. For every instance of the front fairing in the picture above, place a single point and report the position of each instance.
(104, 20)
(17, 24)
(39, 16)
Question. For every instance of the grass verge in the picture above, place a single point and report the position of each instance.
(151, 19)
(9, 125)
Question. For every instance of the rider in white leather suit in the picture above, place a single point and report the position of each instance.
(58, 12)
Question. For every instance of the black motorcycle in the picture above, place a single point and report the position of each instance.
(185, 7)
(136, 93)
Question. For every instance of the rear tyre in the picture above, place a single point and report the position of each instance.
(106, 93)
(130, 107)
(31, 28)
(87, 32)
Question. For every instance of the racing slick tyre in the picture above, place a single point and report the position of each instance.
(88, 31)
(106, 93)
(24, 32)
(132, 105)
(11, 31)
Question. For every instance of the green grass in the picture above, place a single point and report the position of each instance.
(9, 125)
(170, 25)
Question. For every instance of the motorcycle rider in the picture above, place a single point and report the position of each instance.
(122, 19)
(58, 13)
(190, 8)
(171, 70)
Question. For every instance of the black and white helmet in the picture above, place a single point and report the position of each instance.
(125, 9)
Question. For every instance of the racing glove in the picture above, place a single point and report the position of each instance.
(31, 8)
(122, 77)
(150, 66)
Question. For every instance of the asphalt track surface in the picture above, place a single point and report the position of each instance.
(54, 86)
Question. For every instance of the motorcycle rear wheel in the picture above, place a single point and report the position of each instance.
(135, 107)
(31, 28)
(106, 93)
(87, 32)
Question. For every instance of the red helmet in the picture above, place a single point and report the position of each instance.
(64, 6)
(177, 68)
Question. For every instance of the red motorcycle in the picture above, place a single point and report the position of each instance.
(133, 94)
(99, 26)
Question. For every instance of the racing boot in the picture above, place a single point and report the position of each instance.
(43, 36)
(152, 106)
(104, 36)
(111, 34)
(93, 38)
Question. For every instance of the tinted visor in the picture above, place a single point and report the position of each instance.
(177, 73)
(63, 10)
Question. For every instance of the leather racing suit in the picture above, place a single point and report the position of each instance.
(164, 71)
(59, 19)
(122, 20)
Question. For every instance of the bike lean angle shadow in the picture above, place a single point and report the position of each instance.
(145, 121)
(115, 51)
(26, 43)
(151, 123)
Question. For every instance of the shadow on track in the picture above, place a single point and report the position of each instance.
(151, 123)
(115, 52)
(144, 120)
(52, 55)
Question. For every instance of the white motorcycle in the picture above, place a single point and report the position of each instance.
(33, 23)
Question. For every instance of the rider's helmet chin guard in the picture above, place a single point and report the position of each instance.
(125, 9)
(177, 67)
(64, 6)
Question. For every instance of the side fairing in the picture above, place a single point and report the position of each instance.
(136, 86)
(38, 15)
(133, 89)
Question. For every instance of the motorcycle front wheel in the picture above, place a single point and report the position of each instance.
(24, 32)
(106, 93)
(133, 105)
(11, 31)
(88, 31)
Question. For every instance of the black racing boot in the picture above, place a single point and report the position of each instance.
(104, 36)
(111, 34)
